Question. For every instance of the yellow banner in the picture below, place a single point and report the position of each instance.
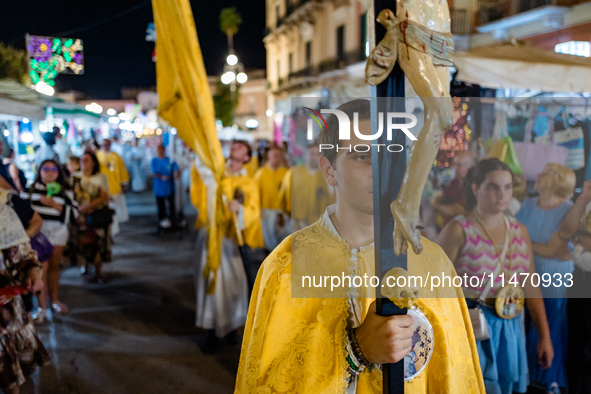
(185, 102)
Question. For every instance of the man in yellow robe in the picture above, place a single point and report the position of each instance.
(269, 178)
(304, 192)
(301, 345)
(113, 166)
(222, 312)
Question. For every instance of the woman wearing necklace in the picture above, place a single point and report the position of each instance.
(484, 243)
(543, 216)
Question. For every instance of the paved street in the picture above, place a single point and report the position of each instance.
(136, 333)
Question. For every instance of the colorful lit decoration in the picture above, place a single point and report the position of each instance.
(456, 139)
(49, 56)
(151, 37)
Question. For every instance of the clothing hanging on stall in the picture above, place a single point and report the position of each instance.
(574, 122)
(516, 122)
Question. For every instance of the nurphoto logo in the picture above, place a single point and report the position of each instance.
(345, 129)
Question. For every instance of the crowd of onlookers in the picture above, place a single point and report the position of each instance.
(71, 208)
(484, 219)
(486, 223)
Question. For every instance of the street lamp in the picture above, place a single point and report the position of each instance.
(241, 77)
(232, 59)
(233, 72)
(232, 75)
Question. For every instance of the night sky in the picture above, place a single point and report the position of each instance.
(116, 52)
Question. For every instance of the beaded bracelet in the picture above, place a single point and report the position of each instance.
(352, 360)
(356, 348)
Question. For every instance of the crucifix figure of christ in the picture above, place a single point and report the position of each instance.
(418, 38)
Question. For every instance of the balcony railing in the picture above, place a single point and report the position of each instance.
(461, 21)
(309, 74)
(305, 72)
(290, 7)
(493, 10)
(345, 60)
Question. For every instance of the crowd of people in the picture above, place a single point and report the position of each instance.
(72, 208)
(539, 346)
(484, 222)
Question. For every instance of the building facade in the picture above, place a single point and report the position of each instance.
(315, 48)
(543, 23)
(252, 104)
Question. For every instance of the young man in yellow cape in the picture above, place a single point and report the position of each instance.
(225, 309)
(311, 194)
(302, 345)
(269, 178)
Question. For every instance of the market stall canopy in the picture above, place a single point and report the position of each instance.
(518, 65)
(230, 134)
(18, 100)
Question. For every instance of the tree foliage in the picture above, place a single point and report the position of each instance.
(230, 21)
(13, 64)
(225, 102)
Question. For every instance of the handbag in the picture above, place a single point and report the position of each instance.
(533, 156)
(100, 218)
(477, 317)
(42, 246)
(504, 150)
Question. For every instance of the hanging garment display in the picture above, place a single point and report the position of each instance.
(540, 124)
(574, 123)
(534, 156)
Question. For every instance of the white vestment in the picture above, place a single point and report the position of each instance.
(227, 308)
(119, 205)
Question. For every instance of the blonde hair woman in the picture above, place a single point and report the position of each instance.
(543, 216)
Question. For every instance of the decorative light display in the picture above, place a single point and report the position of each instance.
(151, 37)
(49, 56)
(456, 139)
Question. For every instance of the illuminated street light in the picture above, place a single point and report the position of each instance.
(232, 59)
(251, 124)
(94, 107)
(269, 113)
(45, 89)
(111, 112)
(27, 137)
(228, 77)
(241, 78)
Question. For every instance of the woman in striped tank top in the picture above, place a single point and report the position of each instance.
(52, 197)
(474, 242)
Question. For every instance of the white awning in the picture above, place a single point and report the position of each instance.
(18, 109)
(517, 65)
(20, 100)
(230, 133)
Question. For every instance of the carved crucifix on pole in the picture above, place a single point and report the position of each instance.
(411, 38)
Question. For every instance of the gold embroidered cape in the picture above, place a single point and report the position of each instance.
(296, 345)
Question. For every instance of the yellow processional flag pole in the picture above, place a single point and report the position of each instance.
(185, 102)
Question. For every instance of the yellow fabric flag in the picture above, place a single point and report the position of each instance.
(185, 102)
